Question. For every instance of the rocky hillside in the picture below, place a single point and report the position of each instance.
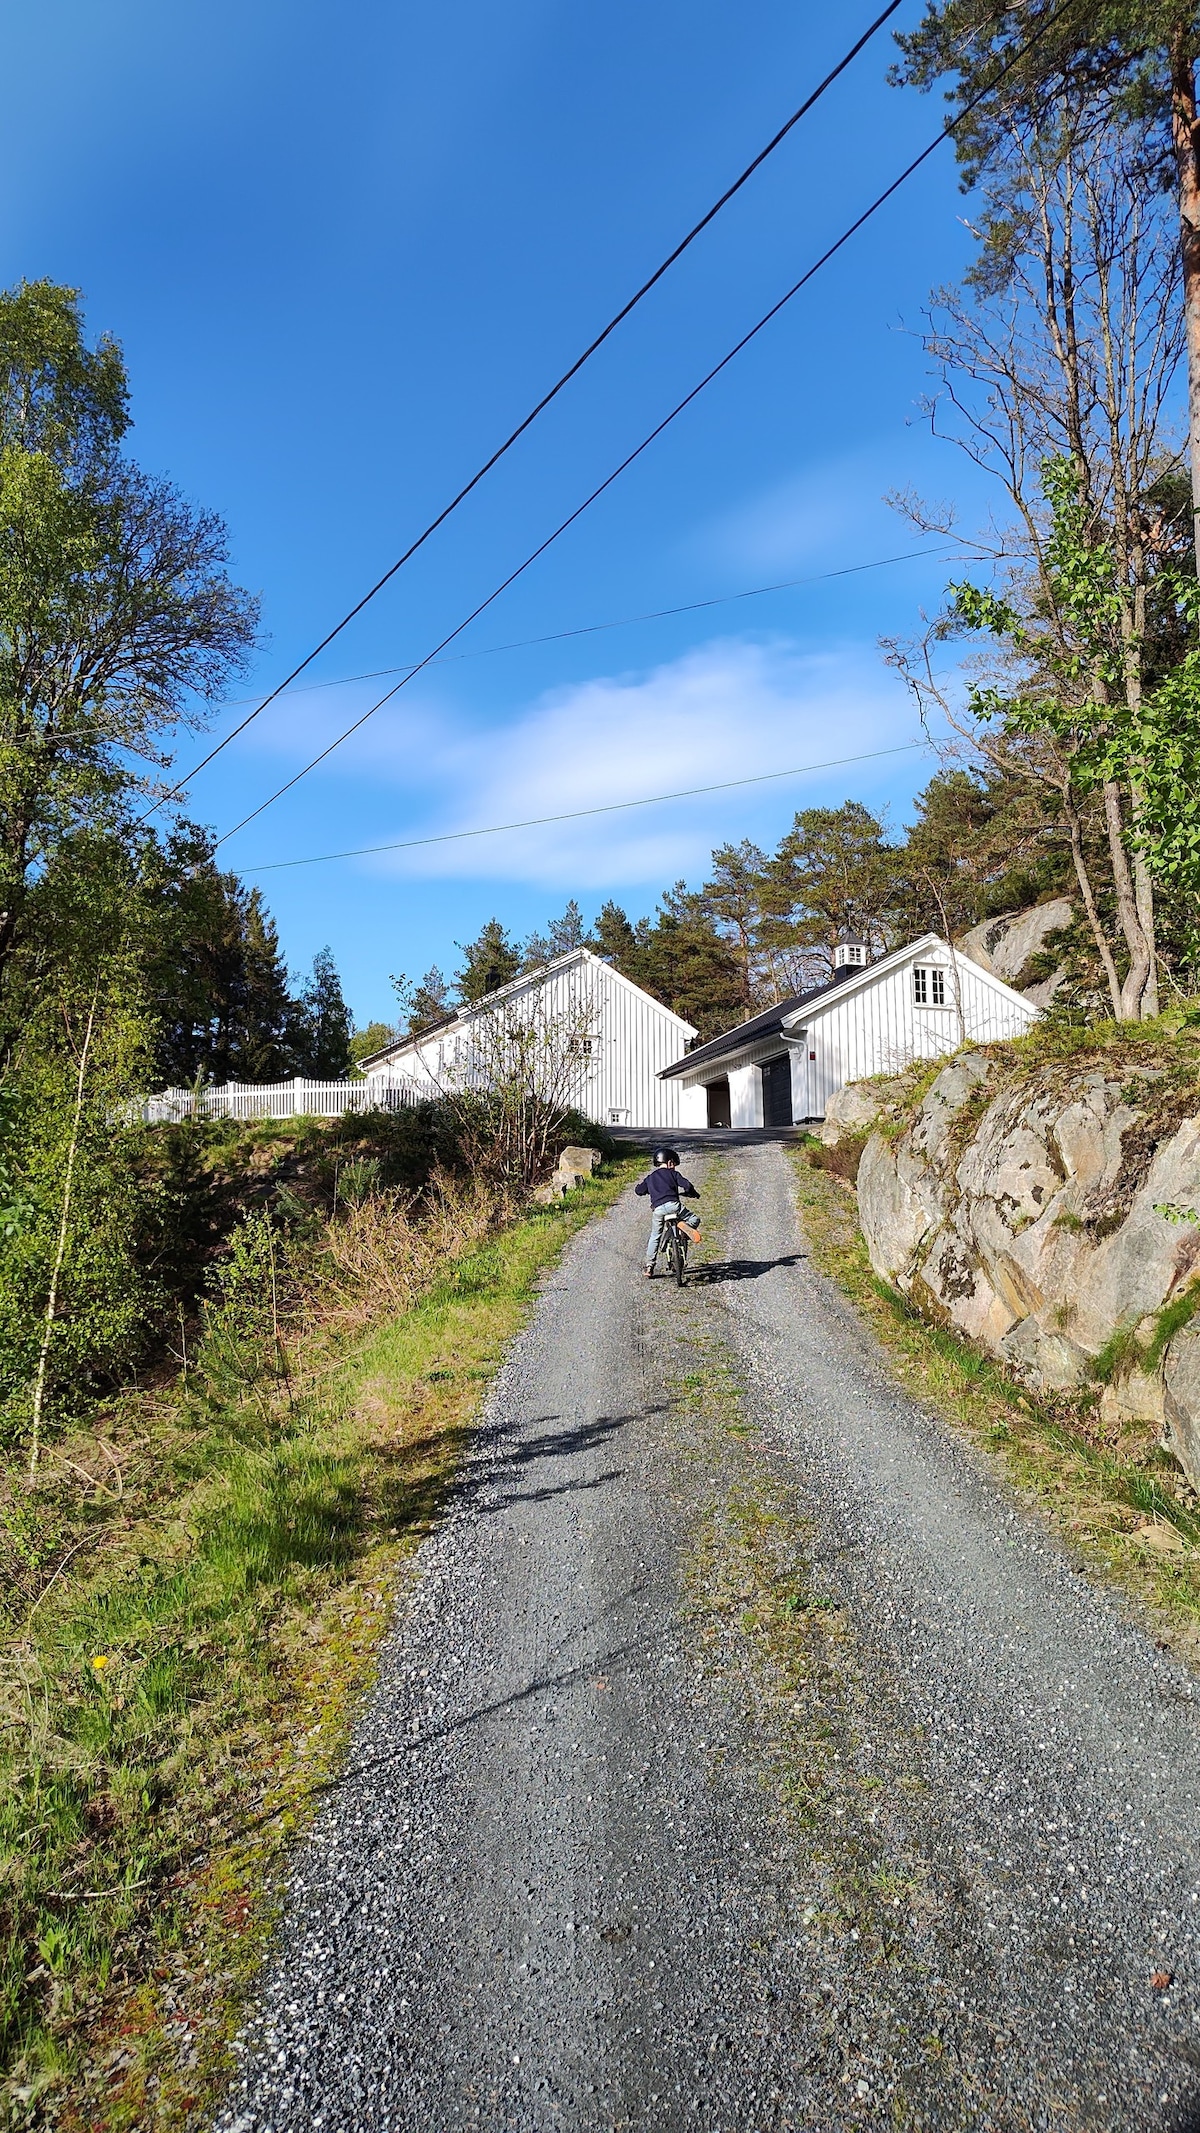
(1048, 1208)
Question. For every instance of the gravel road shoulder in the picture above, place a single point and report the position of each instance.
(745, 1758)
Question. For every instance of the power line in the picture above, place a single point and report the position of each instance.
(617, 320)
(852, 230)
(577, 814)
(657, 614)
(585, 629)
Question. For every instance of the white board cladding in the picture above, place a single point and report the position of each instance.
(917, 1003)
(624, 1040)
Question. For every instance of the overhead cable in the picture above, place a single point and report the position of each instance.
(617, 319)
(584, 629)
(578, 814)
(946, 133)
(624, 622)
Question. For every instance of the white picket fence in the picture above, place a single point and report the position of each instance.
(281, 1099)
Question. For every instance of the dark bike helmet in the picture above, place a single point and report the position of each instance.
(665, 1155)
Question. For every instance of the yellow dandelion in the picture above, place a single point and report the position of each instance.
(100, 1662)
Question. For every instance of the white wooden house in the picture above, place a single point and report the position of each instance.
(618, 1039)
(783, 1065)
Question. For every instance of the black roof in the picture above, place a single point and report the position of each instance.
(758, 1027)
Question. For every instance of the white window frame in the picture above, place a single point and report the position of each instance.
(929, 985)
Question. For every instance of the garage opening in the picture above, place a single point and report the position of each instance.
(777, 1091)
(719, 1113)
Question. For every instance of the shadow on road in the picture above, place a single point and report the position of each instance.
(565, 1488)
(504, 1472)
(600, 1667)
(715, 1271)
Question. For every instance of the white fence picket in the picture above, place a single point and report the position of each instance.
(281, 1099)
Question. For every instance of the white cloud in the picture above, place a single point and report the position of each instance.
(728, 710)
(802, 519)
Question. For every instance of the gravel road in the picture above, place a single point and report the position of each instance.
(565, 1881)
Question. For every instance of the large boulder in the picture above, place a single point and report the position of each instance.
(1007, 945)
(1052, 1220)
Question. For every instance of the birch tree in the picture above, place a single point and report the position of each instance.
(1057, 360)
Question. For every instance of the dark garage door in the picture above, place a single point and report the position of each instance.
(777, 1092)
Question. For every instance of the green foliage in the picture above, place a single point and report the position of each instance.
(1145, 737)
(103, 1292)
(1114, 52)
(241, 1348)
(1170, 1320)
(422, 1006)
(491, 960)
(1120, 1350)
(364, 1043)
(116, 612)
(357, 1180)
(834, 876)
(561, 937)
(217, 979)
(321, 1025)
(57, 396)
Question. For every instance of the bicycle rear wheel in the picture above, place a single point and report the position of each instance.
(680, 1256)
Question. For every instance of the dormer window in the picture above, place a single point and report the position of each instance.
(929, 985)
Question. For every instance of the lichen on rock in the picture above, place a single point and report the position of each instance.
(1036, 1209)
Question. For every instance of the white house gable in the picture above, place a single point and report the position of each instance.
(623, 1040)
(917, 1003)
(921, 1002)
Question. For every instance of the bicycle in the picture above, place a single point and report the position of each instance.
(675, 1245)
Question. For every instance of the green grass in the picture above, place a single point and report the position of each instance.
(1097, 1490)
(174, 1705)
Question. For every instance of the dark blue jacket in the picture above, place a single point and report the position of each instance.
(665, 1184)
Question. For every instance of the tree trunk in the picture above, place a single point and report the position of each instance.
(1185, 129)
(1141, 957)
(1075, 827)
(1143, 891)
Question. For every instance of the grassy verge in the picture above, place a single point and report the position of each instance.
(180, 1694)
(1127, 1514)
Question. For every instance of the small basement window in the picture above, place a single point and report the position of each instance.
(929, 986)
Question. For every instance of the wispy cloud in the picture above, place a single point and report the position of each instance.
(727, 710)
(835, 505)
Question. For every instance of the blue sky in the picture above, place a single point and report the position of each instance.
(344, 249)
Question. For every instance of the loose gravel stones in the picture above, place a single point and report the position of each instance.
(560, 1883)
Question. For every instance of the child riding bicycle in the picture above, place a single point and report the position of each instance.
(664, 1188)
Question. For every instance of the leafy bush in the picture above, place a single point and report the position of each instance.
(72, 1216)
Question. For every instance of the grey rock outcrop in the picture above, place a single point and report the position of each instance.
(1007, 945)
(1029, 1216)
(854, 1109)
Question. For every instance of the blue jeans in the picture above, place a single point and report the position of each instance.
(669, 1207)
